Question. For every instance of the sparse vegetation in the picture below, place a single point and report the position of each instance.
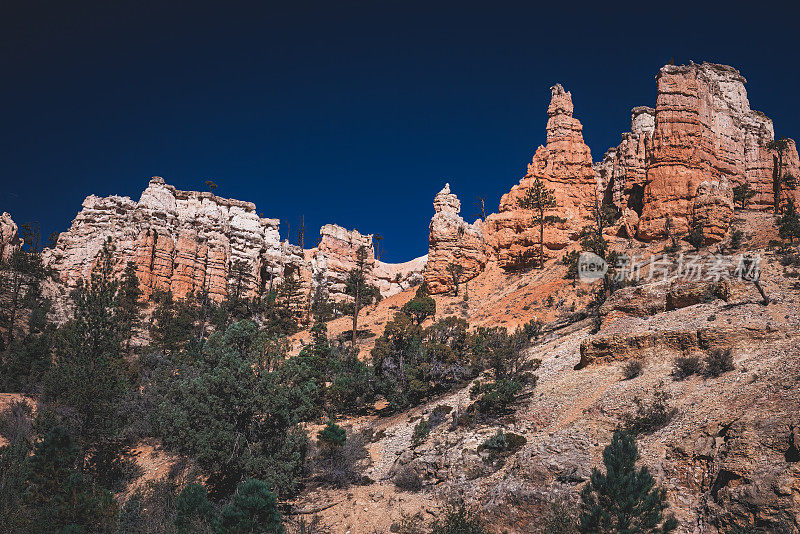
(651, 415)
(538, 199)
(421, 306)
(560, 519)
(407, 479)
(458, 519)
(718, 362)
(789, 222)
(455, 270)
(742, 194)
(632, 369)
(421, 431)
(736, 239)
(696, 237)
(686, 366)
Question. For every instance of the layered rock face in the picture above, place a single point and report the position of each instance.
(623, 171)
(336, 255)
(563, 165)
(9, 237)
(181, 241)
(713, 209)
(705, 131)
(452, 241)
(189, 241)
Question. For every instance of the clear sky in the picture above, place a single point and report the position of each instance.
(354, 113)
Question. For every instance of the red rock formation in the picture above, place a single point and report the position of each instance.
(623, 171)
(704, 130)
(188, 241)
(335, 256)
(9, 237)
(180, 241)
(713, 209)
(563, 165)
(451, 240)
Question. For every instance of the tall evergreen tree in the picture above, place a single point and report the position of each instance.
(624, 499)
(21, 276)
(538, 199)
(59, 498)
(357, 287)
(129, 303)
(88, 375)
(789, 222)
(780, 146)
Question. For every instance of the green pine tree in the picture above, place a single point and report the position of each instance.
(253, 509)
(421, 306)
(539, 199)
(357, 287)
(234, 418)
(624, 499)
(21, 276)
(780, 146)
(332, 435)
(789, 222)
(129, 303)
(194, 513)
(742, 194)
(58, 496)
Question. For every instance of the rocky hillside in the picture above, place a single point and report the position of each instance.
(702, 370)
(725, 447)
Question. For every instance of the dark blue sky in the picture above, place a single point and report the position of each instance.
(348, 112)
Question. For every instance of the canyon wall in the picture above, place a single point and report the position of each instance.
(680, 162)
(189, 241)
(706, 131)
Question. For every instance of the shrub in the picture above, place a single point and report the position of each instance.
(686, 366)
(407, 479)
(560, 519)
(339, 464)
(498, 442)
(652, 416)
(421, 432)
(503, 442)
(494, 398)
(737, 236)
(408, 524)
(718, 362)
(439, 414)
(15, 422)
(696, 237)
(315, 526)
(632, 369)
(332, 435)
(458, 519)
